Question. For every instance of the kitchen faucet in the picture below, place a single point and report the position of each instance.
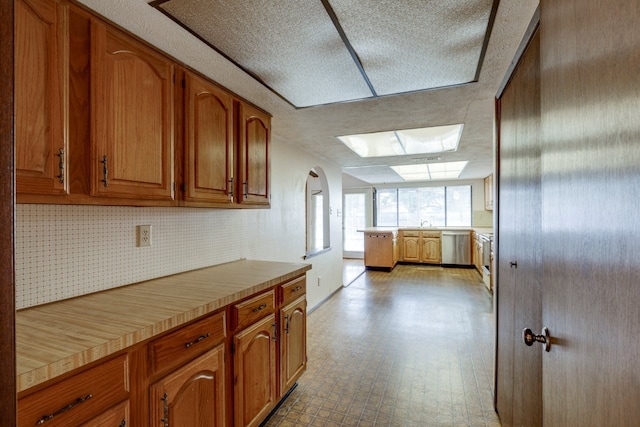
(423, 221)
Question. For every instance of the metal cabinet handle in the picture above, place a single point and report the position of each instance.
(275, 332)
(197, 340)
(123, 423)
(64, 409)
(165, 410)
(296, 289)
(105, 171)
(257, 309)
(286, 324)
(246, 189)
(513, 264)
(231, 189)
(528, 337)
(61, 165)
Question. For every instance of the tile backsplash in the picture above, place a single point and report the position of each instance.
(66, 251)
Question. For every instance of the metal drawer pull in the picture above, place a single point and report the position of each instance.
(286, 324)
(257, 309)
(123, 423)
(296, 289)
(64, 409)
(275, 332)
(197, 340)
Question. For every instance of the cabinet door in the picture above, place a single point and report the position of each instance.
(255, 372)
(488, 193)
(118, 416)
(431, 250)
(254, 162)
(191, 396)
(132, 114)
(410, 249)
(40, 86)
(293, 343)
(208, 163)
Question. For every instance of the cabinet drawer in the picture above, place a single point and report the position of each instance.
(294, 289)
(187, 342)
(247, 312)
(410, 233)
(78, 398)
(435, 234)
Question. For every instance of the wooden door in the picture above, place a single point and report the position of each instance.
(519, 367)
(191, 396)
(431, 250)
(132, 114)
(209, 138)
(254, 372)
(41, 85)
(293, 343)
(590, 101)
(410, 249)
(254, 156)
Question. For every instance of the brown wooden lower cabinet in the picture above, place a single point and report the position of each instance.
(255, 372)
(231, 367)
(293, 343)
(193, 395)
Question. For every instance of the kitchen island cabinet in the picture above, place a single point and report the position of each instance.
(161, 349)
(381, 249)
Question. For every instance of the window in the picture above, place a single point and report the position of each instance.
(428, 206)
(317, 205)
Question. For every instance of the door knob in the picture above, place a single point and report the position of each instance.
(528, 337)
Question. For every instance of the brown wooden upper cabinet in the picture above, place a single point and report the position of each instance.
(209, 141)
(253, 156)
(488, 193)
(41, 150)
(102, 118)
(132, 117)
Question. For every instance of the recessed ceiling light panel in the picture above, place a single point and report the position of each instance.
(437, 139)
(430, 171)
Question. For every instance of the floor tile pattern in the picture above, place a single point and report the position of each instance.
(413, 347)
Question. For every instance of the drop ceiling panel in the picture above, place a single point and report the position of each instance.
(291, 46)
(412, 45)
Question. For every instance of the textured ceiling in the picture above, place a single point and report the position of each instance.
(319, 52)
(315, 129)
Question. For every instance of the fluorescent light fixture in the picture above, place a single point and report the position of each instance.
(430, 171)
(437, 139)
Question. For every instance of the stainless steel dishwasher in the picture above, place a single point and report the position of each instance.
(456, 247)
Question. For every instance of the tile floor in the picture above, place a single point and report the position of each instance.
(352, 268)
(413, 347)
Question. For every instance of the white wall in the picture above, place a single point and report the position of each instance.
(65, 251)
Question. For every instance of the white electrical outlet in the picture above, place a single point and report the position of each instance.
(143, 233)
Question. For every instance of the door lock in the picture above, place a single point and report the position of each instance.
(528, 337)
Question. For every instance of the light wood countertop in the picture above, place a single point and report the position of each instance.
(56, 338)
